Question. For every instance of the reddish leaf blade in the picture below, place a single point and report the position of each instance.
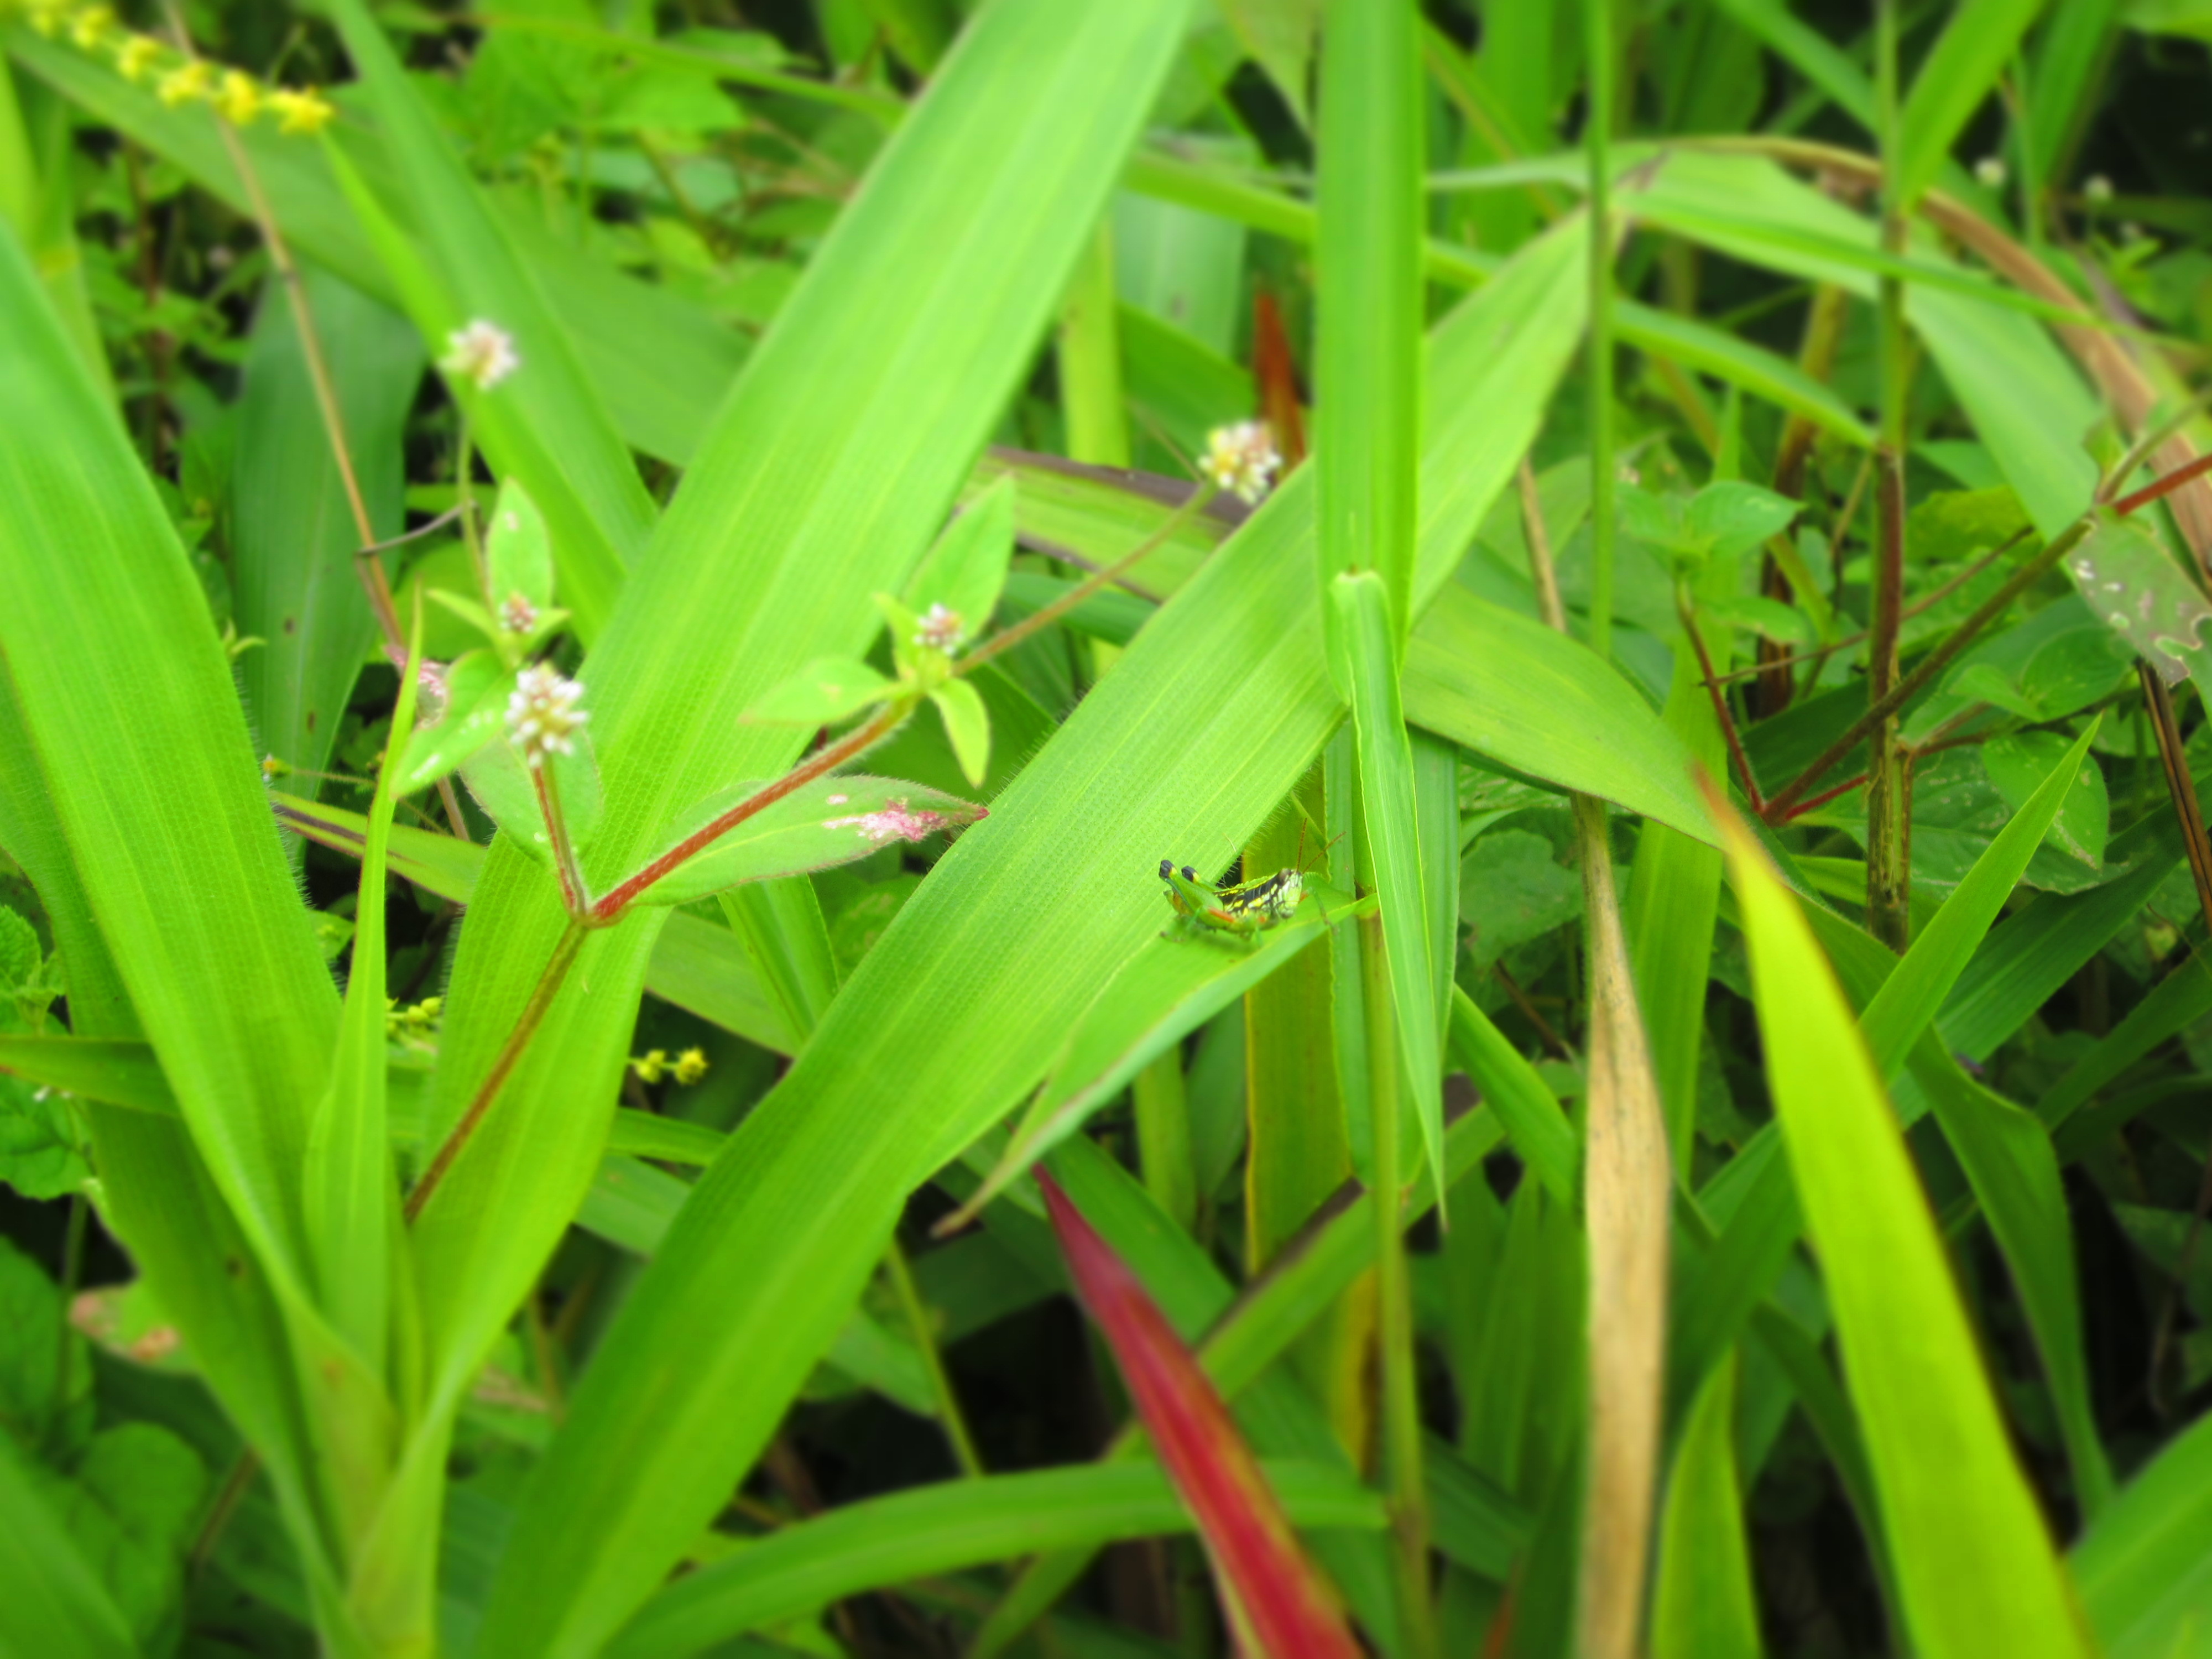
(1290, 1608)
(1277, 376)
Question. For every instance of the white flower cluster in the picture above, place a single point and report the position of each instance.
(1242, 459)
(483, 352)
(542, 716)
(942, 628)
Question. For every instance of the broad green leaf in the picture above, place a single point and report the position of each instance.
(1508, 688)
(818, 826)
(1298, 1146)
(934, 1530)
(545, 424)
(1975, 1563)
(159, 1194)
(1731, 518)
(138, 733)
(1702, 1606)
(2018, 763)
(893, 1084)
(2143, 1572)
(295, 580)
(1978, 40)
(2127, 579)
(826, 474)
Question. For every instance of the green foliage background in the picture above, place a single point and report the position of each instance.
(1758, 1286)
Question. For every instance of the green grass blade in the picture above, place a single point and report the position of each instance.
(1359, 623)
(1367, 363)
(1975, 1566)
(138, 734)
(548, 429)
(1673, 901)
(2143, 1571)
(294, 579)
(1910, 996)
(1702, 1605)
(811, 1198)
(944, 1529)
(1541, 1133)
(779, 924)
(352, 1191)
(1977, 41)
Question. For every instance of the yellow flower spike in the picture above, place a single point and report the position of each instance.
(182, 84)
(305, 112)
(652, 1065)
(690, 1066)
(91, 26)
(137, 56)
(239, 101)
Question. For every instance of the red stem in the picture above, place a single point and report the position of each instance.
(604, 912)
(2166, 486)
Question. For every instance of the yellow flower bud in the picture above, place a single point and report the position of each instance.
(182, 84)
(137, 56)
(306, 113)
(239, 101)
(690, 1066)
(91, 26)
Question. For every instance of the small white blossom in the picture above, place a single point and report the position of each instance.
(2097, 188)
(1990, 170)
(1242, 459)
(542, 716)
(942, 629)
(483, 352)
(517, 615)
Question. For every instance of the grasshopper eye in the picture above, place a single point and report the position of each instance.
(1167, 868)
(1189, 874)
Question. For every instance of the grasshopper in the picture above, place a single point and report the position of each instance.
(1238, 913)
